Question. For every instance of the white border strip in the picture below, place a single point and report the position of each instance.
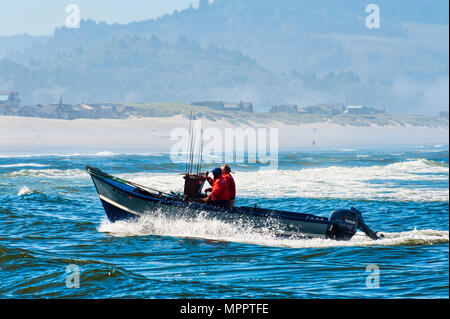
(118, 205)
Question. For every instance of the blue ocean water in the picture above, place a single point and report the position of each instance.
(52, 219)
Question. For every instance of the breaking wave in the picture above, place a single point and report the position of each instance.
(205, 227)
(25, 190)
(49, 173)
(403, 181)
(104, 153)
(99, 154)
(23, 165)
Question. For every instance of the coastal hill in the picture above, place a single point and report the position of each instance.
(133, 69)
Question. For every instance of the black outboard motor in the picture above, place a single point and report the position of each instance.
(345, 224)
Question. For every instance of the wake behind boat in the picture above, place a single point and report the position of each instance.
(124, 200)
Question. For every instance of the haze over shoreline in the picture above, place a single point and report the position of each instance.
(25, 135)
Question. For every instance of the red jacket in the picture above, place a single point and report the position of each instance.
(220, 190)
(231, 185)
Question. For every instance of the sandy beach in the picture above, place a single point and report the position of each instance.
(37, 135)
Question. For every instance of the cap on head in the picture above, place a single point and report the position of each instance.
(226, 168)
(216, 172)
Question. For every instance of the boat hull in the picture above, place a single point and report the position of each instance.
(123, 200)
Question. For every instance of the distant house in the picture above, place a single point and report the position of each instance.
(10, 105)
(288, 108)
(359, 109)
(230, 106)
(226, 106)
(85, 107)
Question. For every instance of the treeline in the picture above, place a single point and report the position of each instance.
(132, 69)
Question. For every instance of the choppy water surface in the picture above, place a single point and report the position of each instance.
(51, 217)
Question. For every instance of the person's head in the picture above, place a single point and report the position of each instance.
(226, 169)
(216, 172)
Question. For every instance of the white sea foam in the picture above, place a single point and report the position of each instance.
(39, 155)
(100, 154)
(49, 173)
(203, 227)
(24, 165)
(104, 153)
(24, 190)
(329, 182)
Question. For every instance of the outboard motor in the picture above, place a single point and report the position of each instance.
(345, 224)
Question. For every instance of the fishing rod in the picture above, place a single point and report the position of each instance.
(192, 145)
(189, 146)
(192, 151)
(199, 163)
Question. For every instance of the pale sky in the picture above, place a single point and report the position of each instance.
(41, 17)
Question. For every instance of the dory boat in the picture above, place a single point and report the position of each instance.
(124, 200)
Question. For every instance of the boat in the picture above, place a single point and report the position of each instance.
(125, 200)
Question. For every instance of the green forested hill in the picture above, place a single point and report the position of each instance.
(135, 69)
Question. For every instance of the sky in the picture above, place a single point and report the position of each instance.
(41, 17)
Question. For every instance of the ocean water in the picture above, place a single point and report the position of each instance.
(53, 228)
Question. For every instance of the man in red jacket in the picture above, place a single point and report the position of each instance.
(220, 194)
(226, 173)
